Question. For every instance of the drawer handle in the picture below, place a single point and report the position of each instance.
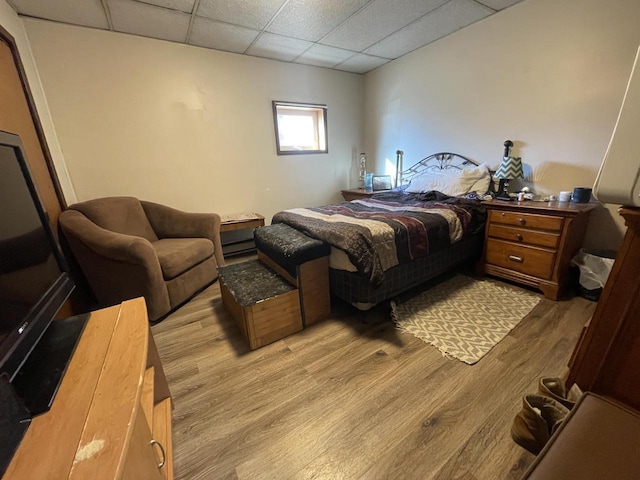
(519, 237)
(513, 258)
(164, 455)
(522, 221)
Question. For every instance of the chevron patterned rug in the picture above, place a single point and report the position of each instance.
(463, 317)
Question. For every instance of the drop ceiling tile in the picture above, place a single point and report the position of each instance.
(324, 56)
(312, 19)
(137, 18)
(247, 13)
(89, 13)
(185, 6)
(377, 20)
(499, 4)
(444, 20)
(221, 36)
(361, 63)
(278, 47)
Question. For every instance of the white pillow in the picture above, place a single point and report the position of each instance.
(483, 182)
(452, 182)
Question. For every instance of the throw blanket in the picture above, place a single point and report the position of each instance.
(389, 228)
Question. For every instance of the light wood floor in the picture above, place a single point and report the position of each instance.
(351, 397)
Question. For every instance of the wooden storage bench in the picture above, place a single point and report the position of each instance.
(303, 261)
(266, 307)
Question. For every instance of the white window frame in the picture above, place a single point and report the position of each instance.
(318, 114)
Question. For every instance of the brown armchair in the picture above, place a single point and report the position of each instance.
(128, 248)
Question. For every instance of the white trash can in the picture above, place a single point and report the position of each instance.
(595, 267)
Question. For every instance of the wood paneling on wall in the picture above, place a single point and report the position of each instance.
(18, 115)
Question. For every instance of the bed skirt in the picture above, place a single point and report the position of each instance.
(351, 287)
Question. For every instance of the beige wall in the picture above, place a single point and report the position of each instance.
(193, 128)
(13, 24)
(187, 126)
(549, 75)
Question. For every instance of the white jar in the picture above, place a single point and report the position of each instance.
(565, 196)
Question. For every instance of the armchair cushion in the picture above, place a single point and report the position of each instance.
(168, 222)
(177, 255)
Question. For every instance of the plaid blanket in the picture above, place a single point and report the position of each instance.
(388, 229)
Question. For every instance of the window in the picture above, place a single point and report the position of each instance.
(300, 128)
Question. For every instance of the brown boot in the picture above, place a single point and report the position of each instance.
(539, 418)
(554, 387)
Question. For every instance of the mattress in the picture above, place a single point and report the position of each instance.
(375, 235)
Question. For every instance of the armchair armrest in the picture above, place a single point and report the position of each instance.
(117, 246)
(168, 222)
(116, 266)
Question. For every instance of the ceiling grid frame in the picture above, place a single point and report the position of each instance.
(238, 38)
(265, 27)
(196, 4)
(107, 13)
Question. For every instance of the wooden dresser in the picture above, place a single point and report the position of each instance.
(111, 418)
(607, 356)
(533, 242)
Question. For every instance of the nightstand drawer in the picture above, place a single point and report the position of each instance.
(533, 261)
(524, 236)
(529, 220)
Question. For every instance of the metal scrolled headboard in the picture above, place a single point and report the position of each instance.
(436, 161)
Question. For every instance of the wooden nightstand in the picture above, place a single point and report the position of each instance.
(533, 242)
(238, 221)
(357, 193)
(235, 242)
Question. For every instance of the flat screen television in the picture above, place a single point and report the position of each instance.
(34, 284)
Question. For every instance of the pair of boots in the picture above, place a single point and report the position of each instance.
(542, 413)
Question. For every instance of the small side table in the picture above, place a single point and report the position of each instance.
(358, 193)
(532, 243)
(236, 244)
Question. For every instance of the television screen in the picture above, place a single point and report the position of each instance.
(34, 282)
(28, 266)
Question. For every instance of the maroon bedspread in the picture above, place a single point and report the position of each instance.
(389, 228)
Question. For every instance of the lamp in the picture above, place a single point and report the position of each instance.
(399, 155)
(510, 168)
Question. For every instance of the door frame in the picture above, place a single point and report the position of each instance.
(7, 38)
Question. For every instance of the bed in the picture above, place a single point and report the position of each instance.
(389, 243)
